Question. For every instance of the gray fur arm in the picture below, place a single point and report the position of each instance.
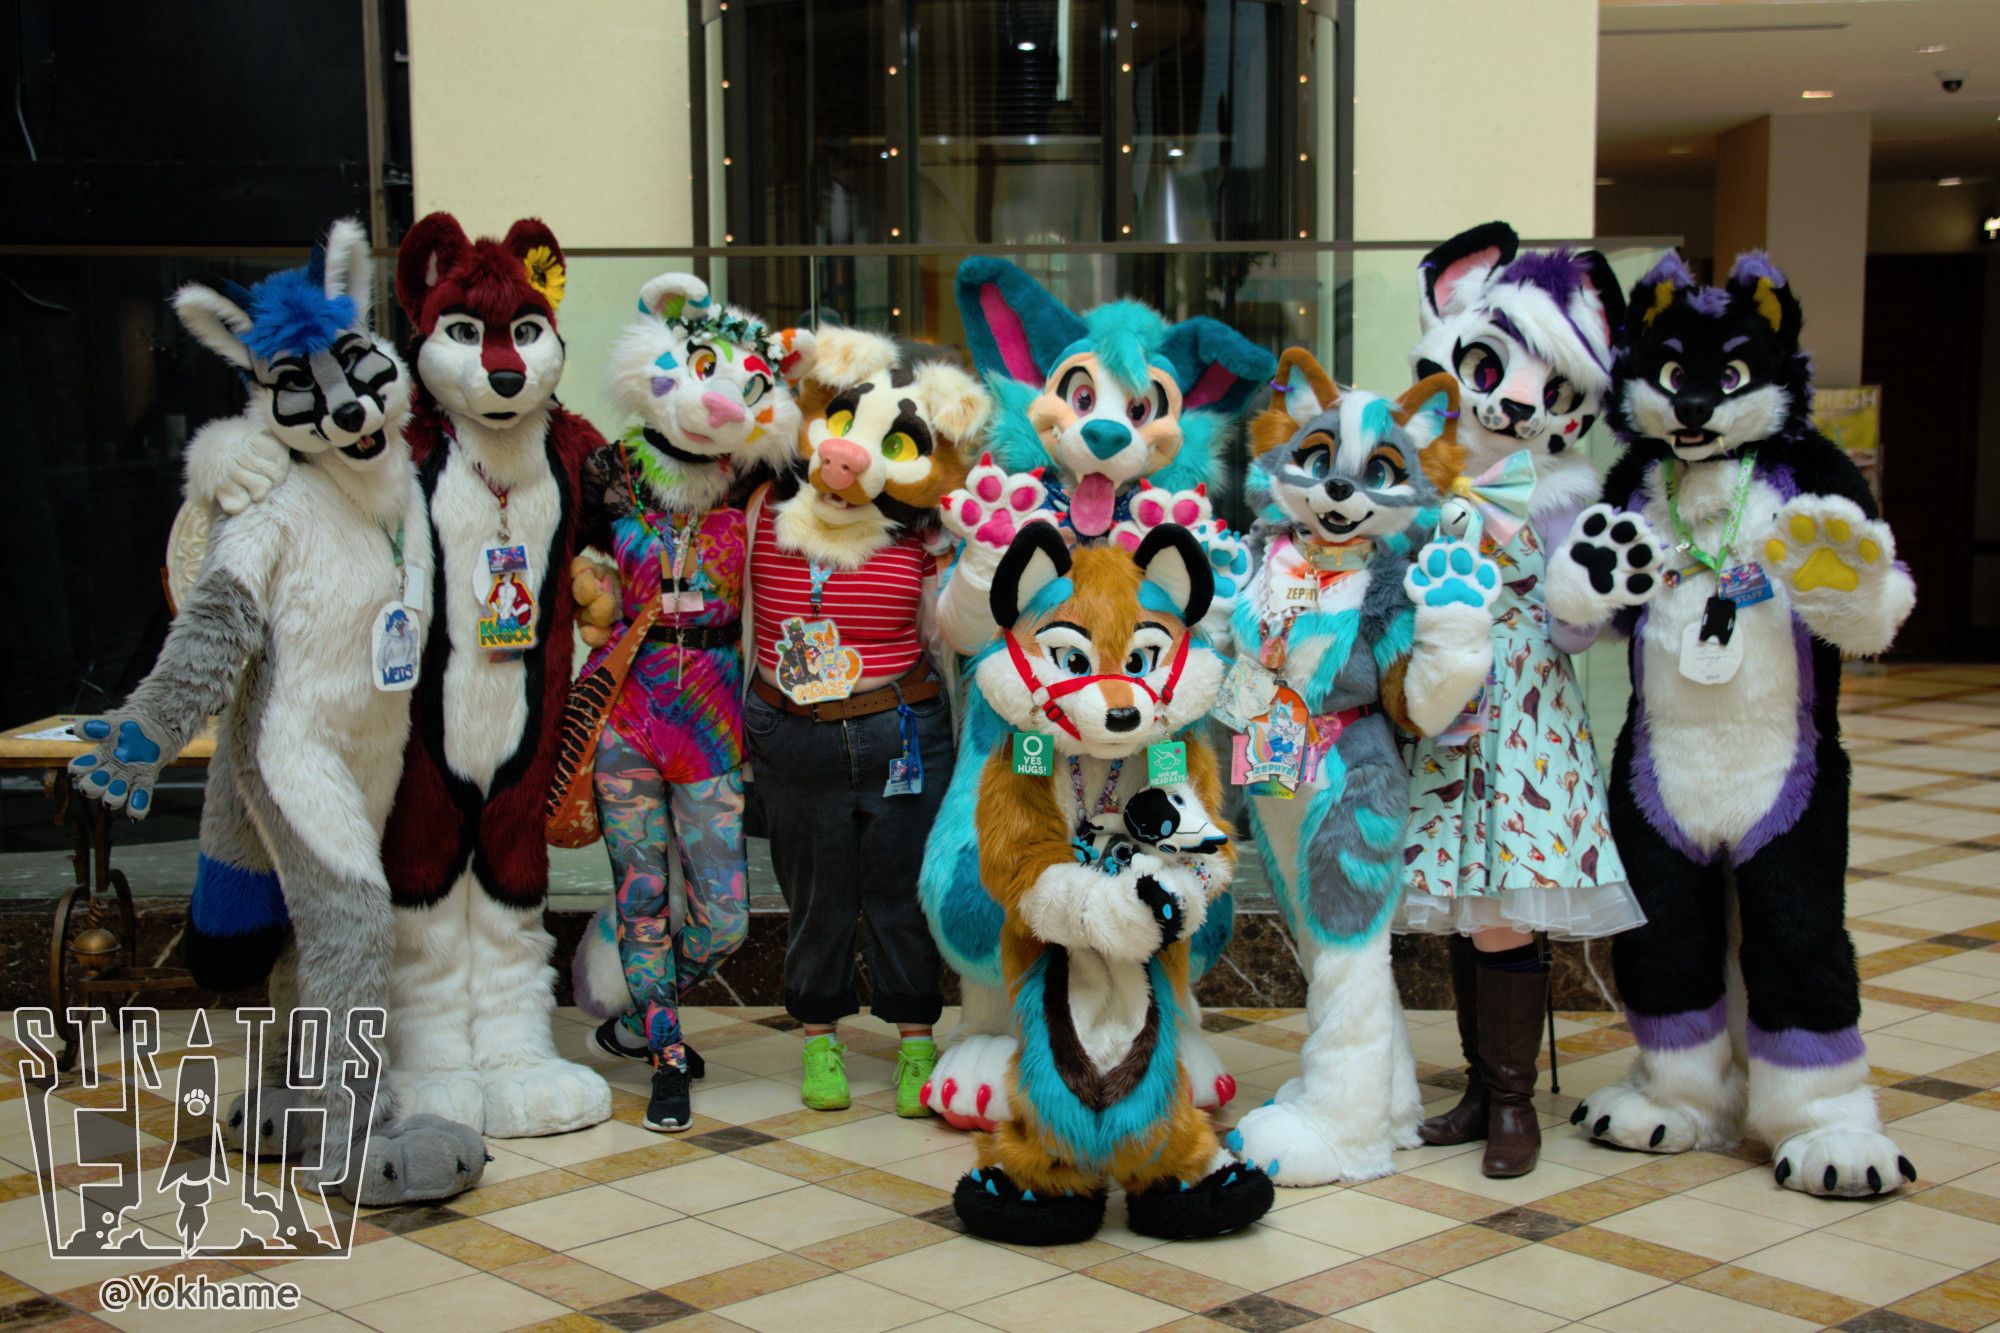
(212, 638)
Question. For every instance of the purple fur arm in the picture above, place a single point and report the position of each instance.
(1552, 529)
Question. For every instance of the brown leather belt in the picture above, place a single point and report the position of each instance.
(697, 636)
(917, 684)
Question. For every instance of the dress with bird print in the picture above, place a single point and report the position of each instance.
(1508, 828)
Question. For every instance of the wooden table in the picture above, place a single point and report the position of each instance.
(87, 960)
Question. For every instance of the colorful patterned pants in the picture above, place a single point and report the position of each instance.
(641, 814)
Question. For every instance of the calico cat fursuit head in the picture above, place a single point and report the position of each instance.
(1740, 551)
(1100, 661)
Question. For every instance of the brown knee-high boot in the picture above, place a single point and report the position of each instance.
(1510, 1038)
(1466, 1121)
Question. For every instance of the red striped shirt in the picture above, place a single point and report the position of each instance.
(874, 607)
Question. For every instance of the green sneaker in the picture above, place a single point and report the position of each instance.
(915, 1059)
(825, 1086)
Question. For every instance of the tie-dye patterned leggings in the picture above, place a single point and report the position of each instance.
(641, 813)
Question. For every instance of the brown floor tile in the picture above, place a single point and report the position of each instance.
(1166, 1282)
(569, 1323)
(1600, 1199)
(804, 1121)
(639, 1161)
(1449, 1251)
(568, 1281)
(804, 1163)
(1641, 1256)
(1260, 1314)
(744, 1282)
(649, 1309)
(1684, 1171)
(1363, 1280)
(521, 1189)
(903, 1195)
(1774, 1293)
(1433, 1198)
(1965, 1303)
(1966, 1203)
(480, 1244)
(878, 1242)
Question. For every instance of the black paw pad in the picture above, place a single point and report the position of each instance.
(1576, 1116)
(1639, 583)
(1165, 908)
(1659, 1132)
(1639, 556)
(1623, 531)
(1593, 525)
(388, 1170)
(1603, 1123)
(1784, 1169)
(1600, 562)
(1909, 1171)
(1831, 1180)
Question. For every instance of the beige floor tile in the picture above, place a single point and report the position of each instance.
(1950, 911)
(1889, 1050)
(1687, 1308)
(1940, 1160)
(777, 1054)
(1847, 1268)
(203, 1321)
(1358, 1223)
(581, 1216)
(940, 1169)
(1944, 982)
(750, 1099)
(479, 1304)
(1957, 1123)
(379, 1269)
(613, 1136)
(1075, 1302)
(1442, 1305)
(1978, 962)
(1255, 1257)
(1972, 1035)
(1871, 941)
(1928, 1233)
(1462, 1172)
(1544, 1278)
(712, 1182)
(802, 1216)
(881, 1139)
(960, 1272)
(1978, 871)
(1694, 1226)
(836, 1304)
(1759, 1193)
(946, 1323)
(661, 1256)
(1879, 1014)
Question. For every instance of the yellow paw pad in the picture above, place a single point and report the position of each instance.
(1774, 551)
(1824, 569)
(1868, 551)
(1803, 529)
(1837, 530)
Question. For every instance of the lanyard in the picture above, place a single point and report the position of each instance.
(1107, 800)
(396, 553)
(499, 494)
(820, 574)
(1684, 535)
(677, 550)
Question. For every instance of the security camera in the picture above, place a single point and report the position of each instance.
(1951, 80)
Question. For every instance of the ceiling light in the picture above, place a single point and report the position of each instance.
(1816, 94)
(1606, 180)
(1177, 152)
(1024, 46)
(1930, 50)
(1951, 180)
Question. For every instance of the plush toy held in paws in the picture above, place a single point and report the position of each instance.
(1101, 673)
(1739, 550)
(305, 632)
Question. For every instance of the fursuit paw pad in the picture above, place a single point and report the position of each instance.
(1155, 506)
(553, 1097)
(1298, 1145)
(272, 1106)
(417, 1158)
(994, 505)
(1227, 1199)
(1826, 544)
(123, 768)
(1843, 1161)
(1212, 1086)
(968, 1088)
(1450, 573)
(992, 1206)
(1627, 1118)
(1612, 561)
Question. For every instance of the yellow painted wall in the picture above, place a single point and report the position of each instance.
(577, 113)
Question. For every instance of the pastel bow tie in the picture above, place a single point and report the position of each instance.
(1500, 494)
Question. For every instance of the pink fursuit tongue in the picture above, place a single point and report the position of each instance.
(1091, 505)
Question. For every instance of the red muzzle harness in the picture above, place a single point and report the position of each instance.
(1045, 696)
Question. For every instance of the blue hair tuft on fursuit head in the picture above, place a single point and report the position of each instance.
(291, 314)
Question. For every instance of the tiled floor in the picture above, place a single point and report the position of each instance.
(773, 1218)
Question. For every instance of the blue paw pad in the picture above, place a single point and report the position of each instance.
(1235, 1140)
(84, 761)
(117, 787)
(991, 1188)
(141, 799)
(135, 746)
(1027, 1196)
(99, 778)
(97, 728)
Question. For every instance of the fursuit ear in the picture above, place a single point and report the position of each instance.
(528, 234)
(956, 403)
(1759, 284)
(431, 249)
(1012, 326)
(217, 321)
(1428, 413)
(1453, 274)
(348, 269)
(1301, 391)
(1652, 294)
(1603, 284)
(668, 296)
(1037, 557)
(1216, 367)
(1172, 560)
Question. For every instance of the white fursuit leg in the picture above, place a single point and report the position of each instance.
(430, 1011)
(1340, 1123)
(969, 1086)
(1824, 1129)
(528, 1088)
(1672, 1101)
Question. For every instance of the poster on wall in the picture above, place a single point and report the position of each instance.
(1852, 419)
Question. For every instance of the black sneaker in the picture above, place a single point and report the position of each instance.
(607, 1041)
(668, 1110)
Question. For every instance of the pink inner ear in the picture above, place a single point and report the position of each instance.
(1009, 334)
(1213, 384)
(1460, 270)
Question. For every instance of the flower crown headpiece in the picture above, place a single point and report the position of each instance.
(736, 329)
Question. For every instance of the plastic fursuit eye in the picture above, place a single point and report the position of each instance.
(839, 423)
(1560, 397)
(1079, 391)
(1142, 410)
(1315, 462)
(1141, 660)
(1382, 471)
(1479, 368)
(1735, 376)
(526, 331)
(701, 360)
(462, 331)
(754, 389)
(1072, 660)
(898, 447)
(1672, 377)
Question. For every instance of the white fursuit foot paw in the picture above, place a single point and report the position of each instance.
(1842, 1160)
(1211, 1083)
(969, 1086)
(1294, 1144)
(449, 1094)
(1628, 1118)
(553, 1097)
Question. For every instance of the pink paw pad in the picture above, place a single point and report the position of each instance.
(1024, 497)
(1186, 513)
(988, 487)
(1225, 1088)
(985, 1096)
(1150, 512)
